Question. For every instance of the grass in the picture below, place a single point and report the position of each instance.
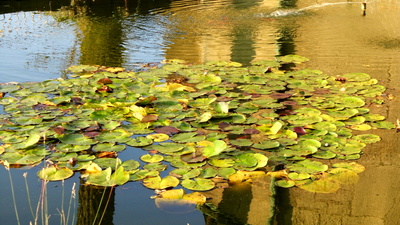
(41, 214)
(39, 210)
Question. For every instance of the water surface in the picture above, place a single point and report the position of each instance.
(39, 40)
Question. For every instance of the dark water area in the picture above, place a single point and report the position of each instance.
(40, 39)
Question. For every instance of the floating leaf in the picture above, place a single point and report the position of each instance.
(343, 176)
(350, 166)
(139, 141)
(172, 194)
(107, 178)
(222, 162)
(151, 158)
(367, 138)
(293, 59)
(351, 102)
(298, 176)
(356, 77)
(55, 174)
(361, 127)
(166, 130)
(158, 137)
(160, 183)
(78, 139)
(130, 165)
(285, 183)
(308, 166)
(108, 162)
(185, 173)
(32, 140)
(267, 145)
(187, 137)
(198, 184)
(241, 142)
(321, 186)
(215, 148)
(383, 125)
(109, 147)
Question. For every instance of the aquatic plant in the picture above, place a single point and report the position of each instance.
(207, 121)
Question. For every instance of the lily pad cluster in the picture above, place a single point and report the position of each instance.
(201, 123)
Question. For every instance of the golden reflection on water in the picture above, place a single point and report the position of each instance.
(338, 39)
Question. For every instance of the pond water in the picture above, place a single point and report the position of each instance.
(40, 39)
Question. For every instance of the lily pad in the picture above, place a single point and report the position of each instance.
(215, 148)
(77, 139)
(160, 183)
(55, 174)
(109, 147)
(106, 178)
(367, 138)
(198, 184)
(151, 158)
(285, 183)
(308, 166)
(321, 186)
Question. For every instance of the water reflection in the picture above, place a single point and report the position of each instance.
(96, 205)
(123, 33)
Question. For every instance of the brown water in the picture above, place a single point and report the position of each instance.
(337, 38)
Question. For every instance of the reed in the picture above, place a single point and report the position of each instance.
(7, 165)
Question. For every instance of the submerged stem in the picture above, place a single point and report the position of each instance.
(98, 209)
(28, 194)
(13, 195)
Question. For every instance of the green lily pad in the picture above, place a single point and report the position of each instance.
(30, 141)
(367, 138)
(185, 173)
(215, 148)
(108, 162)
(266, 145)
(141, 174)
(55, 174)
(324, 155)
(285, 183)
(241, 142)
(155, 166)
(355, 167)
(130, 165)
(298, 176)
(383, 125)
(245, 160)
(109, 147)
(208, 172)
(198, 184)
(362, 127)
(77, 139)
(343, 114)
(226, 172)
(187, 137)
(293, 59)
(308, 166)
(160, 183)
(356, 77)
(222, 162)
(321, 186)
(20, 158)
(114, 136)
(343, 176)
(139, 141)
(166, 147)
(107, 179)
(151, 158)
